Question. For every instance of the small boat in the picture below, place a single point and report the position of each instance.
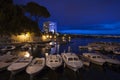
(26, 47)
(95, 58)
(6, 56)
(116, 51)
(94, 48)
(6, 60)
(72, 61)
(85, 61)
(20, 64)
(53, 61)
(36, 66)
(8, 48)
(5, 64)
(111, 61)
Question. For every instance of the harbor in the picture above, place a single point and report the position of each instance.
(92, 71)
(59, 40)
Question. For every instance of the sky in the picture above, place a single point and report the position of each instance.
(82, 16)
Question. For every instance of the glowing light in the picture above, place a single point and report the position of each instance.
(27, 54)
(63, 38)
(55, 37)
(50, 36)
(44, 37)
(51, 43)
(47, 36)
(46, 54)
(24, 37)
(69, 37)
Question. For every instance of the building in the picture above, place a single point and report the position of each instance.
(49, 27)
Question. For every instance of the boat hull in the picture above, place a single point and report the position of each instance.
(52, 62)
(74, 65)
(33, 68)
(19, 65)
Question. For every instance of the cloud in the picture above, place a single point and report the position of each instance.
(94, 29)
(114, 26)
(91, 31)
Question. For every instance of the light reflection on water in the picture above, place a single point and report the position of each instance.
(93, 72)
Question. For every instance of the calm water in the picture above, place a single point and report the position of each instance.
(93, 72)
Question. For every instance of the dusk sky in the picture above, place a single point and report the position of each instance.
(82, 16)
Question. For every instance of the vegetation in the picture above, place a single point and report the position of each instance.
(14, 21)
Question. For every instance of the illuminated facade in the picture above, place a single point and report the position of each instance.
(49, 27)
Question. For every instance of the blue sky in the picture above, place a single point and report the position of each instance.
(82, 16)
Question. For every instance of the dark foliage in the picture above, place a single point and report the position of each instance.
(14, 21)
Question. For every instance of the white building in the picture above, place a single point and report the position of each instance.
(49, 27)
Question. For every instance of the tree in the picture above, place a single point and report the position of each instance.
(36, 11)
(5, 15)
(14, 21)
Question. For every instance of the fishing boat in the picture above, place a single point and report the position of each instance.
(72, 61)
(95, 58)
(36, 66)
(20, 64)
(53, 61)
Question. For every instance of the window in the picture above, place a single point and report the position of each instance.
(76, 59)
(98, 56)
(51, 61)
(93, 56)
(70, 59)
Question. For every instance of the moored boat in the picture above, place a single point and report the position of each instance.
(36, 66)
(85, 61)
(72, 61)
(6, 60)
(112, 61)
(8, 48)
(53, 61)
(26, 47)
(20, 64)
(95, 58)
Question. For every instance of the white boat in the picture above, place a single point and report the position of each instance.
(85, 61)
(26, 47)
(110, 60)
(116, 51)
(95, 58)
(36, 66)
(53, 61)
(94, 48)
(8, 48)
(72, 61)
(6, 60)
(20, 64)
